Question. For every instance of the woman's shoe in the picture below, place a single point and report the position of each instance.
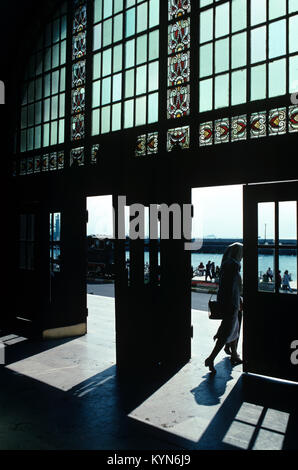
(209, 363)
(227, 350)
(236, 360)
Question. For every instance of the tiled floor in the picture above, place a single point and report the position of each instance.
(65, 394)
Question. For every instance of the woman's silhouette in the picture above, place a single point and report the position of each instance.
(228, 297)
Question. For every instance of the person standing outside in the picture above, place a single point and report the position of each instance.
(286, 281)
(230, 303)
(208, 271)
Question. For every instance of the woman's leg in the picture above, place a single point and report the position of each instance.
(209, 362)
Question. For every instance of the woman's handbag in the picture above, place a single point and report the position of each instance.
(214, 310)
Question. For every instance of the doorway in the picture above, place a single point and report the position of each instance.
(100, 274)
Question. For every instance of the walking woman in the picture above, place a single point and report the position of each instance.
(229, 300)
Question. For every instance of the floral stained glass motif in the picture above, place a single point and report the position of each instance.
(258, 125)
(77, 156)
(79, 74)
(94, 154)
(178, 137)
(60, 160)
(80, 19)
(179, 69)
(178, 102)
(221, 131)
(78, 127)
(45, 163)
(206, 134)
(30, 166)
(147, 144)
(78, 100)
(79, 46)
(277, 121)
(239, 128)
(53, 161)
(293, 119)
(178, 8)
(37, 164)
(179, 36)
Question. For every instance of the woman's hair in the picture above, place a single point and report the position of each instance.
(234, 251)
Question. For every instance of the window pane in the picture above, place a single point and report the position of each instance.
(277, 8)
(239, 50)
(221, 55)
(206, 90)
(153, 76)
(97, 10)
(106, 91)
(96, 94)
(266, 268)
(258, 83)
(141, 111)
(293, 75)
(128, 113)
(117, 59)
(266, 223)
(277, 78)
(206, 26)
(293, 34)
(142, 49)
(206, 60)
(107, 32)
(118, 22)
(288, 271)
(293, 6)
(222, 20)
(153, 108)
(277, 39)
(130, 54)
(142, 17)
(154, 45)
(106, 62)
(222, 91)
(97, 66)
(129, 83)
(238, 15)
(141, 84)
(239, 87)
(95, 122)
(108, 6)
(258, 44)
(153, 13)
(105, 119)
(287, 221)
(130, 22)
(117, 87)
(97, 37)
(116, 117)
(258, 11)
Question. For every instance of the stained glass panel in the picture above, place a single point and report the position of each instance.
(152, 143)
(239, 128)
(79, 73)
(179, 69)
(30, 167)
(179, 36)
(80, 19)
(37, 164)
(77, 156)
(221, 131)
(79, 46)
(78, 100)
(258, 125)
(277, 121)
(178, 102)
(53, 161)
(60, 160)
(206, 133)
(178, 8)
(78, 127)
(293, 119)
(45, 163)
(141, 145)
(94, 154)
(178, 137)
(23, 167)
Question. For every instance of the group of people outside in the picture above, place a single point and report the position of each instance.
(282, 282)
(210, 271)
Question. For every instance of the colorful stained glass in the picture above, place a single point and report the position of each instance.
(258, 125)
(152, 143)
(78, 100)
(60, 160)
(30, 166)
(206, 134)
(37, 164)
(178, 102)
(23, 167)
(77, 156)
(277, 121)
(141, 145)
(178, 8)
(178, 137)
(293, 119)
(221, 131)
(179, 69)
(53, 161)
(179, 36)
(78, 127)
(79, 74)
(79, 46)
(239, 128)
(45, 163)
(94, 154)
(80, 19)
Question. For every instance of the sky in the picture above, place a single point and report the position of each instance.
(218, 212)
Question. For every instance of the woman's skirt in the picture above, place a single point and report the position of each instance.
(229, 328)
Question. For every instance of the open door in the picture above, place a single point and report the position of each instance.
(270, 279)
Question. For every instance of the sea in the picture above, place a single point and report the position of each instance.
(286, 262)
